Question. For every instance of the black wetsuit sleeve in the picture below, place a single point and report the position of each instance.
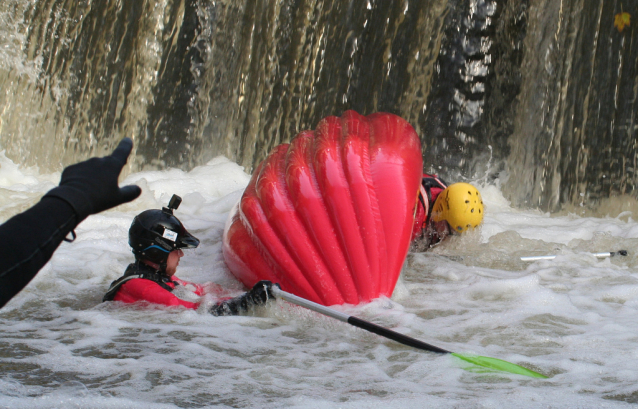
(28, 240)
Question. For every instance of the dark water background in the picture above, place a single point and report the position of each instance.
(538, 95)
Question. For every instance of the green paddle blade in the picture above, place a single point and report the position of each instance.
(496, 365)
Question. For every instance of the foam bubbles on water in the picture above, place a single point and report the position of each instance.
(572, 318)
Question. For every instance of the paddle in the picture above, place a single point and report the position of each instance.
(479, 361)
(597, 255)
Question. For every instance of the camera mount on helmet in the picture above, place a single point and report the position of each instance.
(173, 204)
(155, 233)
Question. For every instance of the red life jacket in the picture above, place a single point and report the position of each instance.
(431, 187)
(142, 283)
(140, 289)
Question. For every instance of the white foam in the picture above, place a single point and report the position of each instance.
(572, 318)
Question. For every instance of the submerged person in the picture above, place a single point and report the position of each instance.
(30, 238)
(157, 238)
(443, 210)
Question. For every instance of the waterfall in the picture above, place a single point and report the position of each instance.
(540, 94)
(574, 139)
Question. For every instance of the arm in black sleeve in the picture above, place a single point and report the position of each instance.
(28, 241)
(259, 295)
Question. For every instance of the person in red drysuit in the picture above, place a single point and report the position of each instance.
(442, 210)
(157, 238)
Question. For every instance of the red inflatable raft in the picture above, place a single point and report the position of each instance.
(329, 216)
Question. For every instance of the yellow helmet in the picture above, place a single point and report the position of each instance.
(460, 204)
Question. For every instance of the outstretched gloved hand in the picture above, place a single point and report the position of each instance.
(91, 186)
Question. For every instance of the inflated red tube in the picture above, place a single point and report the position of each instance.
(330, 215)
(396, 168)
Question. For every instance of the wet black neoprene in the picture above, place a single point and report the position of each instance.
(258, 295)
(28, 240)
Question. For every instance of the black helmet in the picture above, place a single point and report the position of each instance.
(155, 233)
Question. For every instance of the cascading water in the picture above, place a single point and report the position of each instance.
(574, 139)
(543, 90)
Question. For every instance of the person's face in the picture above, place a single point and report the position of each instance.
(442, 229)
(173, 261)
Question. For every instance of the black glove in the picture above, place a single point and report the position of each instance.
(91, 186)
(261, 292)
(258, 295)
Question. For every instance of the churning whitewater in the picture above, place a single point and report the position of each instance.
(572, 318)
